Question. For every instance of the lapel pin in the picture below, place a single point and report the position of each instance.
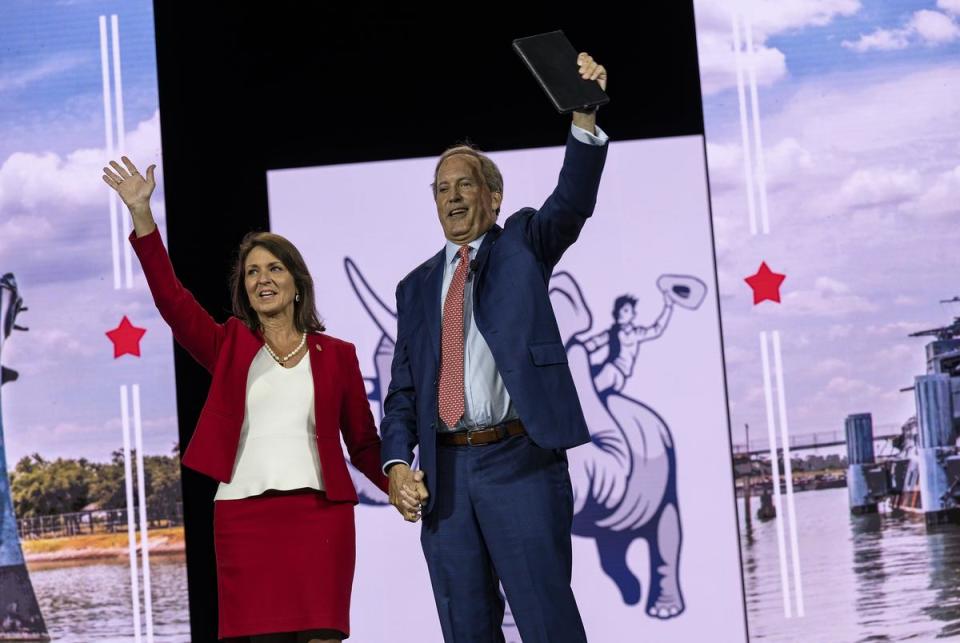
(319, 348)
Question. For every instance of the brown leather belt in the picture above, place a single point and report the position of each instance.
(481, 435)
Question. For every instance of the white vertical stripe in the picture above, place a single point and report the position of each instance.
(775, 470)
(108, 128)
(131, 529)
(744, 129)
(121, 138)
(788, 472)
(757, 140)
(142, 499)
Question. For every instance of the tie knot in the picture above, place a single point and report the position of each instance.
(464, 253)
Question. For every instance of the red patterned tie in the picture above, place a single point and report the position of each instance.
(451, 345)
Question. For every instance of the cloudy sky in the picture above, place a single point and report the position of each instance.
(861, 134)
(860, 128)
(55, 232)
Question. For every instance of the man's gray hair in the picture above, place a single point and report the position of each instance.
(488, 169)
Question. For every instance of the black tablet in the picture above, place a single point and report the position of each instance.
(553, 62)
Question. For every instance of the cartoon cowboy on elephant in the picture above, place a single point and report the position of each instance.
(624, 481)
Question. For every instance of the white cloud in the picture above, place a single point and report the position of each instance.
(855, 116)
(718, 64)
(899, 353)
(22, 231)
(840, 331)
(771, 17)
(54, 210)
(754, 394)
(848, 386)
(880, 186)
(785, 161)
(943, 196)
(39, 181)
(777, 16)
(924, 27)
(725, 164)
(767, 18)
(29, 181)
(950, 6)
(59, 342)
(829, 365)
(830, 286)
(20, 78)
(898, 328)
(829, 297)
(736, 355)
(881, 40)
(724, 158)
(933, 27)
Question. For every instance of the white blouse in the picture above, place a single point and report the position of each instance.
(278, 445)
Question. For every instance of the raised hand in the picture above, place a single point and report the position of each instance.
(133, 188)
(591, 70)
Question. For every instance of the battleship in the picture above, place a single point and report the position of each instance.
(20, 617)
(922, 475)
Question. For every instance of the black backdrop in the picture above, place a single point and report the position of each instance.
(247, 87)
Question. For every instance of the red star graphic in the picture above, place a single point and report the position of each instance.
(126, 338)
(765, 284)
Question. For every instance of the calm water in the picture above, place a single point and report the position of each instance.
(866, 578)
(91, 602)
(869, 578)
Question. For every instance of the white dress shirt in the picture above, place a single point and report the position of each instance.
(278, 441)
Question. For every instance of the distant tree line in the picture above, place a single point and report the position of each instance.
(44, 487)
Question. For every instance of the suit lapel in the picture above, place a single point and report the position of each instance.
(432, 285)
(486, 246)
(322, 366)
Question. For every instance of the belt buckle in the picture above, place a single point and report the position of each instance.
(470, 437)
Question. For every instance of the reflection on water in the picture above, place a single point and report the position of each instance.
(91, 602)
(865, 578)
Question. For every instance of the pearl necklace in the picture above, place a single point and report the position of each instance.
(282, 360)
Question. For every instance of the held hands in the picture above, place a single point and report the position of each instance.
(407, 491)
(133, 188)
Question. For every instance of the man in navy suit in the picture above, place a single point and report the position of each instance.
(480, 382)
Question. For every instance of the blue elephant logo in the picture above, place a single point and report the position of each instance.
(624, 481)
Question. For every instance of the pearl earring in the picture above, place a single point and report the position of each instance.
(297, 298)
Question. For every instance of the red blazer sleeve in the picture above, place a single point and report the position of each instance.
(356, 421)
(192, 326)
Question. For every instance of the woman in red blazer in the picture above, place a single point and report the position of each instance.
(281, 396)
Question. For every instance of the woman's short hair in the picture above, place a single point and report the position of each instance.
(305, 317)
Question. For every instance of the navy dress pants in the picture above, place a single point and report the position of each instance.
(502, 514)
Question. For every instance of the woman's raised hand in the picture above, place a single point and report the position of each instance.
(133, 188)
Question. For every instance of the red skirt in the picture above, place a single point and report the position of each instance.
(284, 563)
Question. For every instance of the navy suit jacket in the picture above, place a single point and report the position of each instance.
(513, 313)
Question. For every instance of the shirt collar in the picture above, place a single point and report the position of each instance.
(452, 249)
